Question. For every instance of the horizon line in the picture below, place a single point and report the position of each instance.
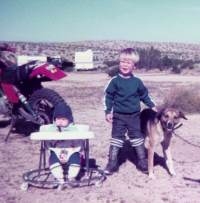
(103, 40)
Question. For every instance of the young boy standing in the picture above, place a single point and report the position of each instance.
(122, 107)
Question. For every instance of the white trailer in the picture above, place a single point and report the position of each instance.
(84, 60)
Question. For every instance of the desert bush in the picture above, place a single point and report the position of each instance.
(196, 66)
(176, 65)
(187, 64)
(186, 99)
(166, 61)
(176, 69)
(194, 69)
(111, 63)
(113, 70)
(102, 67)
(149, 58)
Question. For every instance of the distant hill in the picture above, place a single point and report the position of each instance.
(174, 57)
(109, 49)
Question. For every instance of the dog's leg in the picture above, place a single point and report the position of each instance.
(150, 162)
(168, 156)
(150, 143)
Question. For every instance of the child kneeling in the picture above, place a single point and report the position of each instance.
(64, 153)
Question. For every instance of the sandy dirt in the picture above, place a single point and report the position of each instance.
(84, 92)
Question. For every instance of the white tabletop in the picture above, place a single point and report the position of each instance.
(65, 135)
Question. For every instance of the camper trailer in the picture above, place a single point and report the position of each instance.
(84, 60)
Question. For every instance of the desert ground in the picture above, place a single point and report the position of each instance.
(84, 92)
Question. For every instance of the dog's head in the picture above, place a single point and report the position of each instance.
(170, 118)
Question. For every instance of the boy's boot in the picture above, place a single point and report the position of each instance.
(142, 159)
(112, 164)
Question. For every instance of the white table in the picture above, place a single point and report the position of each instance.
(82, 133)
(65, 135)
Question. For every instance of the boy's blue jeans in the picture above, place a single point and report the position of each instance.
(126, 123)
(130, 124)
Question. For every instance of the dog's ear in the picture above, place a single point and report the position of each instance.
(182, 115)
(159, 113)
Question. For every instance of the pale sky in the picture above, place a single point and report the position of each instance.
(77, 20)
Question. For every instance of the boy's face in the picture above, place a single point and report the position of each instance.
(126, 65)
(62, 122)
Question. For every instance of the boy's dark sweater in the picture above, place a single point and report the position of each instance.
(123, 95)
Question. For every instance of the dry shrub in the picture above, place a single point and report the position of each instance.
(113, 70)
(184, 98)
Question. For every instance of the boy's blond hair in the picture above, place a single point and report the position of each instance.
(131, 53)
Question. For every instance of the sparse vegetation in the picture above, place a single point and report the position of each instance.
(186, 99)
(175, 57)
(113, 70)
(111, 63)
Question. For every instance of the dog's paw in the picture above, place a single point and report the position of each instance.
(170, 167)
(152, 176)
(172, 172)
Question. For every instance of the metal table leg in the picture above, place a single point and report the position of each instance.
(87, 158)
(42, 161)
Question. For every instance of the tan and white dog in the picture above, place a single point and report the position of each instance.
(158, 127)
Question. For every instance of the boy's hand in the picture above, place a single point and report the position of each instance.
(109, 117)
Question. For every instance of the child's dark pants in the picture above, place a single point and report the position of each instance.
(130, 124)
